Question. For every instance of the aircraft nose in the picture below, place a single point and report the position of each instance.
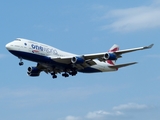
(8, 46)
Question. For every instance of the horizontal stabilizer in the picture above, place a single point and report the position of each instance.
(122, 65)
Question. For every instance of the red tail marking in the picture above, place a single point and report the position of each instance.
(110, 62)
(112, 50)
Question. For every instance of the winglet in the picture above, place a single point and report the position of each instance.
(148, 47)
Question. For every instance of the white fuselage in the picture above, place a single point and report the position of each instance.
(41, 53)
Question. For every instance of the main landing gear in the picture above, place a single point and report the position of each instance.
(73, 73)
(21, 63)
(54, 75)
(65, 75)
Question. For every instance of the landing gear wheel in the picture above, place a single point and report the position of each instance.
(21, 63)
(73, 73)
(65, 75)
(54, 76)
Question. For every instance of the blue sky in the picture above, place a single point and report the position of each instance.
(80, 27)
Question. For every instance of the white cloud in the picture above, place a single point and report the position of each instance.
(130, 106)
(132, 19)
(116, 112)
(97, 114)
(72, 118)
(102, 114)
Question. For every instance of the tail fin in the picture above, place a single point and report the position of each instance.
(113, 49)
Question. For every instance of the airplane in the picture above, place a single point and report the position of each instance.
(54, 61)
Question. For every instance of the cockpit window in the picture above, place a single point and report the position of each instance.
(18, 39)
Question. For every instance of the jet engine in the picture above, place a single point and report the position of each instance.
(110, 56)
(33, 71)
(77, 60)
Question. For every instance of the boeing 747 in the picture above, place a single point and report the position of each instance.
(52, 60)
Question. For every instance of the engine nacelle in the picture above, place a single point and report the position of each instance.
(77, 60)
(33, 71)
(110, 56)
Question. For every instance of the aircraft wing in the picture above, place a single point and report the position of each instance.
(87, 59)
(118, 53)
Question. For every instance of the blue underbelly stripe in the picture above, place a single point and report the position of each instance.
(36, 58)
(44, 59)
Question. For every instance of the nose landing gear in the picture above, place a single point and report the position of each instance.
(21, 63)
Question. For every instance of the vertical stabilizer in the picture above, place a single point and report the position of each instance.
(114, 48)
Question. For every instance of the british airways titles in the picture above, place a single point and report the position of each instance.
(43, 49)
